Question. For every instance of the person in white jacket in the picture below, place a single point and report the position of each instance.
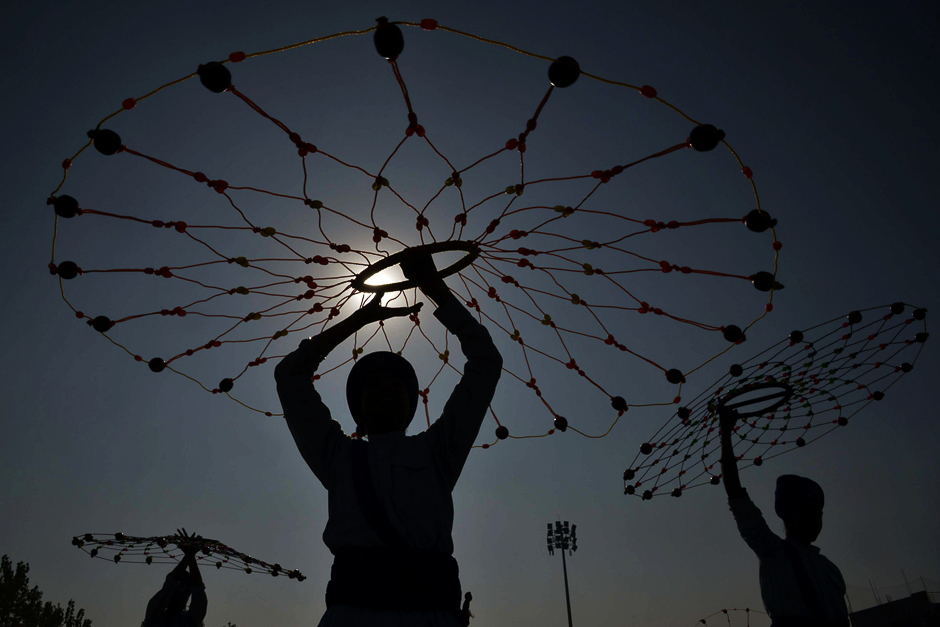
(799, 586)
(167, 608)
(390, 507)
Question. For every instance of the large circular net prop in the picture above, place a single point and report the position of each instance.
(558, 279)
(736, 616)
(125, 549)
(800, 389)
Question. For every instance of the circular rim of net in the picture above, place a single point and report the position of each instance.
(431, 25)
(702, 417)
(153, 550)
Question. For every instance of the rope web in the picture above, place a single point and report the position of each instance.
(559, 273)
(121, 548)
(832, 371)
(739, 614)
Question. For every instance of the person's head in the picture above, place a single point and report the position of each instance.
(799, 502)
(382, 393)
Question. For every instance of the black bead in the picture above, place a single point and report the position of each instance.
(763, 281)
(388, 40)
(248, 570)
(89, 537)
(855, 317)
(76, 541)
(215, 77)
(759, 221)
(647, 495)
(629, 490)
(921, 337)
(758, 461)
(677, 492)
(796, 337)
(736, 370)
(897, 308)
(65, 206)
(843, 421)
(646, 448)
(502, 432)
(156, 364)
(561, 423)
(629, 474)
(68, 270)
(674, 376)
(920, 314)
(106, 141)
(906, 367)
(101, 324)
(732, 333)
(149, 559)
(619, 403)
(705, 137)
(226, 385)
(94, 552)
(683, 413)
(715, 480)
(117, 558)
(563, 72)
(878, 396)
(800, 442)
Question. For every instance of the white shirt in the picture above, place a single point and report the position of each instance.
(779, 586)
(413, 475)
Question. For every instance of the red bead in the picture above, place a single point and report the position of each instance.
(428, 24)
(180, 227)
(66, 164)
(236, 57)
(129, 104)
(769, 307)
(79, 315)
(511, 144)
(747, 172)
(648, 91)
(200, 177)
(777, 245)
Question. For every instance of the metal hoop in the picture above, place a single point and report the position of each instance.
(785, 394)
(471, 248)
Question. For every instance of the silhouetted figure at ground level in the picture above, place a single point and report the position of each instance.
(167, 608)
(390, 507)
(799, 587)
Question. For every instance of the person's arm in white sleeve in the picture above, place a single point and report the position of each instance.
(751, 524)
(457, 428)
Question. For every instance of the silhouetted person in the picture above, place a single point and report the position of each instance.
(167, 608)
(391, 512)
(798, 585)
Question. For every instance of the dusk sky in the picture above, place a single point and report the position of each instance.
(832, 106)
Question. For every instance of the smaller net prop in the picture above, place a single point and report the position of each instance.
(735, 616)
(121, 548)
(802, 388)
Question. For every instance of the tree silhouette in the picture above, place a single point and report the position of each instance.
(22, 606)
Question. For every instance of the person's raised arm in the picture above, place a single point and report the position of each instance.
(315, 432)
(457, 428)
(751, 524)
(729, 463)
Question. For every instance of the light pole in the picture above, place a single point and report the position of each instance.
(565, 540)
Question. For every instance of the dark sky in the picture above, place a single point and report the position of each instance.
(831, 105)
